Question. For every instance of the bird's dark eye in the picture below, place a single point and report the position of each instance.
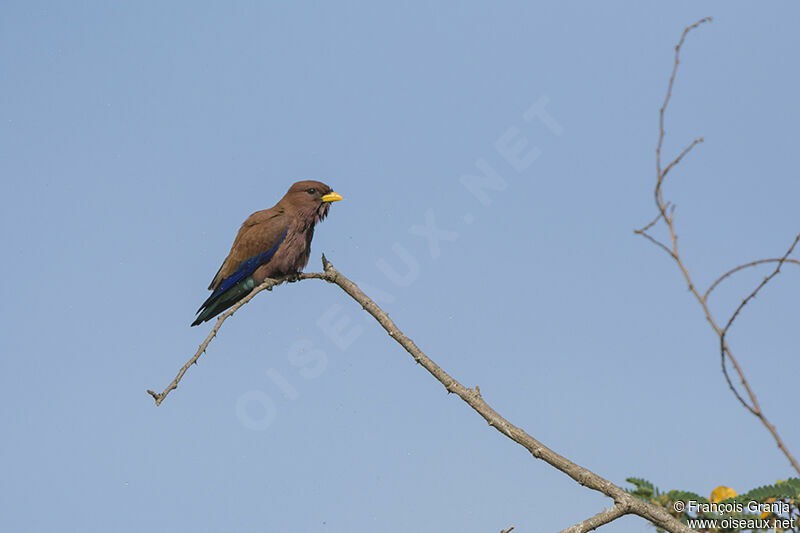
(312, 190)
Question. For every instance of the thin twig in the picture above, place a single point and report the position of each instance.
(266, 285)
(742, 267)
(668, 96)
(755, 408)
(760, 286)
(669, 222)
(650, 224)
(655, 241)
(678, 159)
(600, 519)
(726, 351)
(509, 530)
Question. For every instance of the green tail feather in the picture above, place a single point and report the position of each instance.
(218, 303)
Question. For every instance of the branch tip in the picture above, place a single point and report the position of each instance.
(267, 284)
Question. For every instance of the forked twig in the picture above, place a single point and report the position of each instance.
(755, 409)
(673, 251)
(760, 285)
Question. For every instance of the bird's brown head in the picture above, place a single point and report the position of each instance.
(312, 198)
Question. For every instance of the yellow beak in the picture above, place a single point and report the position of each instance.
(332, 197)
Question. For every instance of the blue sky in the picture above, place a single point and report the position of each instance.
(134, 139)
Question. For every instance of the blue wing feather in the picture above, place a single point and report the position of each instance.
(248, 266)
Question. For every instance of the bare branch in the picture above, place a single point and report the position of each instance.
(668, 96)
(650, 224)
(655, 241)
(472, 396)
(760, 286)
(726, 351)
(509, 530)
(625, 503)
(668, 219)
(600, 519)
(723, 345)
(680, 156)
(747, 265)
(267, 285)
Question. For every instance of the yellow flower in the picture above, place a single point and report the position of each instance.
(722, 493)
(767, 513)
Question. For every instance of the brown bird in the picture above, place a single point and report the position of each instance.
(271, 243)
